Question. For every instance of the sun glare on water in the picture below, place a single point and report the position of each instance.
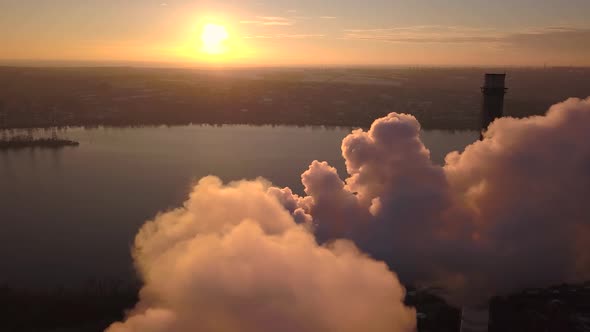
(213, 38)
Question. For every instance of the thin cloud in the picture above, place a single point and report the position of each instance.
(573, 39)
(558, 38)
(284, 36)
(273, 18)
(425, 34)
(269, 21)
(328, 17)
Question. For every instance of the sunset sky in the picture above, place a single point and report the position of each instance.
(282, 32)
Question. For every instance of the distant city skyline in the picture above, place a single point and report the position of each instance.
(303, 33)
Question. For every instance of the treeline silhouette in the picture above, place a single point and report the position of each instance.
(15, 139)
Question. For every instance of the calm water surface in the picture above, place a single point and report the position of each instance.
(70, 215)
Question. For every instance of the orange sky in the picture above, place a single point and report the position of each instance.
(305, 33)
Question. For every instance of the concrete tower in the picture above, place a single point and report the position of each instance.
(493, 91)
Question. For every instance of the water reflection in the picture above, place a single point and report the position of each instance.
(72, 213)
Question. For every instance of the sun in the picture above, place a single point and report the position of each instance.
(213, 38)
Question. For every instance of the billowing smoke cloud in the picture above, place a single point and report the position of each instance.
(233, 259)
(508, 212)
(527, 186)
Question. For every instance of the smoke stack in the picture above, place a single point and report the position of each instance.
(475, 319)
(493, 91)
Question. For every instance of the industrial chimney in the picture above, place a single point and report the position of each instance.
(493, 99)
(477, 318)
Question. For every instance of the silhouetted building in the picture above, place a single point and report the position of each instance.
(3, 123)
(493, 91)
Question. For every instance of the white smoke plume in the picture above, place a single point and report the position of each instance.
(508, 212)
(233, 259)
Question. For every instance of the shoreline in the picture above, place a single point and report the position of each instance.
(44, 143)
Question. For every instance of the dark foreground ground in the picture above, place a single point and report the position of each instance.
(560, 308)
(89, 309)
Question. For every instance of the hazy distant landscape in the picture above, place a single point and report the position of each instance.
(440, 98)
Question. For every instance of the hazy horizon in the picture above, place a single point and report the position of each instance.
(280, 33)
(32, 63)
